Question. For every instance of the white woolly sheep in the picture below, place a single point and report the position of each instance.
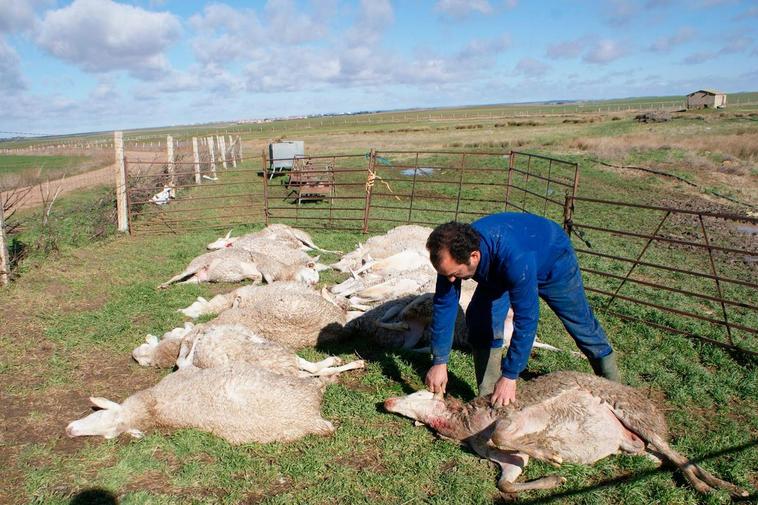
(250, 295)
(224, 265)
(161, 353)
(220, 345)
(239, 402)
(276, 232)
(397, 240)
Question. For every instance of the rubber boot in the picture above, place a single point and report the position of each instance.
(487, 367)
(606, 367)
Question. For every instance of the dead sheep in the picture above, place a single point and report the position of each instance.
(236, 265)
(559, 417)
(162, 352)
(397, 240)
(240, 403)
(225, 265)
(244, 296)
(219, 345)
(279, 233)
(285, 312)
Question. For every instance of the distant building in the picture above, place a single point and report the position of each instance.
(706, 98)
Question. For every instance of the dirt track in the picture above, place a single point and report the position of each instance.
(100, 176)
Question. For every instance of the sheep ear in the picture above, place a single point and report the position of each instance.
(151, 339)
(135, 433)
(104, 403)
(228, 235)
(315, 259)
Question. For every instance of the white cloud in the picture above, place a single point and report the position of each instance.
(701, 57)
(736, 44)
(566, 50)
(288, 23)
(665, 44)
(479, 49)
(373, 19)
(620, 12)
(102, 35)
(604, 51)
(226, 34)
(462, 8)
(18, 15)
(531, 67)
(654, 4)
(11, 80)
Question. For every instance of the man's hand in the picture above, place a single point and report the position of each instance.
(505, 392)
(436, 378)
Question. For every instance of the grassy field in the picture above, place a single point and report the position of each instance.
(72, 317)
(18, 170)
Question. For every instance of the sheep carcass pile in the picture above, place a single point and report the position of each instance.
(387, 267)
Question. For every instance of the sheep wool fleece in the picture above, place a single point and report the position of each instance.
(524, 257)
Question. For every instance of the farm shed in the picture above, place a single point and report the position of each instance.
(706, 98)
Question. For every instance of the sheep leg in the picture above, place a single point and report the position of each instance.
(178, 277)
(415, 303)
(345, 288)
(397, 326)
(336, 370)
(512, 464)
(311, 367)
(701, 480)
(389, 315)
(548, 347)
(186, 356)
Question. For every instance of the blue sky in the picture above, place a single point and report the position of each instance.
(100, 64)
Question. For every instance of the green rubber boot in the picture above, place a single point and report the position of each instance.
(487, 367)
(606, 367)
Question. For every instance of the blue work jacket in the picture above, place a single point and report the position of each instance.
(518, 251)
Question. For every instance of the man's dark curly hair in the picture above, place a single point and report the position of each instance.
(459, 239)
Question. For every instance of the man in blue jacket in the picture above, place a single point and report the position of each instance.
(516, 258)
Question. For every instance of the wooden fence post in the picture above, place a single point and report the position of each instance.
(196, 155)
(232, 151)
(122, 210)
(170, 162)
(222, 150)
(4, 258)
(213, 157)
(239, 148)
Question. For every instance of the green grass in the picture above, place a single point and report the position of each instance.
(16, 163)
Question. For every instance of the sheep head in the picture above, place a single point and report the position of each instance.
(308, 275)
(145, 354)
(109, 422)
(222, 242)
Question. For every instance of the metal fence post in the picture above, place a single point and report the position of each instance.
(170, 164)
(264, 163)
(511, 162)
(122, 210)
(370, 178)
